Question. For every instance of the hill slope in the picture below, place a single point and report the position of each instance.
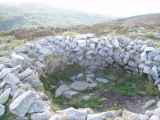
(27, 16)
(141, 23)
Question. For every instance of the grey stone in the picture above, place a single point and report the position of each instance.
(149, 104)
(41, 116)
(61, 90)
(79, 85)
(154, 117)
(21, 105)
(102, 80)
(5, 96)
(157, 58)
(4, 72)
(101, 116)
(38, 106)
(74, 114)
(70, 93)
(11, 79)
(2, 110)
(25, 73)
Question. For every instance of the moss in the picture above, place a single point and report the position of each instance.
(8, 116)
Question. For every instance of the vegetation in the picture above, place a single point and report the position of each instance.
(122, 83)
(128, 84)
(150, 35)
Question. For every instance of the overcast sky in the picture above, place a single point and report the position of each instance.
(117, 8)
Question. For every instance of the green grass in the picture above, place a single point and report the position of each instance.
(150, 35)
(121, 82)
(93, 102)
(128, 84)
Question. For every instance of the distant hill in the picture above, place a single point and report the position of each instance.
(30, 15)
(151, 20)
(141, 23)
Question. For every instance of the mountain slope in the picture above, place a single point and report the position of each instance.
(27, 16)
(141, 23)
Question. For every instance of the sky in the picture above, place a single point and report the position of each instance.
(114, 8)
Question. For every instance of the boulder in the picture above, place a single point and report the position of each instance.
(21, 105)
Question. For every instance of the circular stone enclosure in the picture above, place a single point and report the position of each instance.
(83, 71)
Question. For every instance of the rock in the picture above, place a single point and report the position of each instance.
(70, 93)
(86, 97)
(74, 114)
(21, 105)
(158, 104)
(59, 117)
(11, 79)
(61, 90)
(4, 72)
(33, 80)
(38, 107)
(79, 85)
(5, 96)
(102, 116)
(25, 73)
(80, 76)
(157, 58)
(2, 110)
(149, 104)
(41, 116)
(1, 66)
(16, 56)
(126, 115)
(102, 80)
(154, 117)
(156, 112)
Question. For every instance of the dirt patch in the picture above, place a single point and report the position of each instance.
(115, 100)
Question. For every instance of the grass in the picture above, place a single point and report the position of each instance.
(128, 84)
(93, 102)
(70, 33)
(150, 35)
(123, 83)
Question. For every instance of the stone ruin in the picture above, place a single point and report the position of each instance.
(21, 90)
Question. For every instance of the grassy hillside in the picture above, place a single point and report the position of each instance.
(29, 16)
(137, 26)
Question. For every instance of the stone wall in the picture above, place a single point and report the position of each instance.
(20, 72)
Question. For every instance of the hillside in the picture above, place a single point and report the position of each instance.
(142, 25)
(30, 15)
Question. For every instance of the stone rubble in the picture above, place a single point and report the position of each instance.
(20, 72)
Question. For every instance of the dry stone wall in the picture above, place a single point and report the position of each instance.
(19, 73)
